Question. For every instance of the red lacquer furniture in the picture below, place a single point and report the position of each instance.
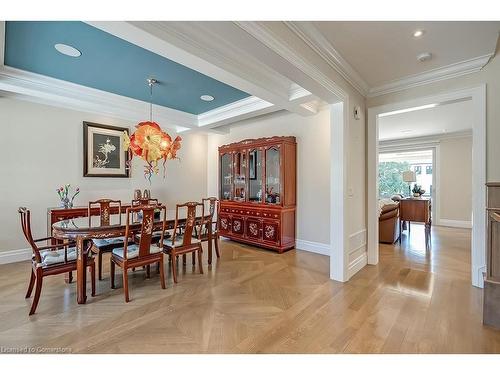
(257, 189)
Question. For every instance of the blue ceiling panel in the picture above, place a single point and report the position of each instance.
(111, 64)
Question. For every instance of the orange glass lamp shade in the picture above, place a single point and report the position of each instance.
(151, 144)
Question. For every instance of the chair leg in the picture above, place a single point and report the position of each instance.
(216, 241)
(92, 279)
(100, 264)
(31, 284)
(161, 269)
(70, 277)
(38, 291)
(183, 259)
(199, 259)
(148, 271)
(193, 259)
(112, 273)
(125, 284)
(174, 268)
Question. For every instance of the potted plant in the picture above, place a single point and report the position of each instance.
(417, 191)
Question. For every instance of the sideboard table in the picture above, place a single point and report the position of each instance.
(417, 210)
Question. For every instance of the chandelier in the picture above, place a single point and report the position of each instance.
(151, 143)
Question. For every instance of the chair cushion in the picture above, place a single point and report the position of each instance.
(133, 251)
(50, 257)
(178, 241)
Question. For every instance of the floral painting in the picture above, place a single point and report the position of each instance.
(104, 153)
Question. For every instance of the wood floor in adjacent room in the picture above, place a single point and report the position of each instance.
(255, 301)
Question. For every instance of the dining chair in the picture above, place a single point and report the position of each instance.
(212, 204)
(105, 245)
(49, 260)
(149, 201)
(182, 244)
(144, 253)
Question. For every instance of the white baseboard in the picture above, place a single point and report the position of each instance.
(313, 247)
(357, 264)
(455, 223)
(12, 256)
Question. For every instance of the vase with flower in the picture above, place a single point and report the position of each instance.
(64, 195)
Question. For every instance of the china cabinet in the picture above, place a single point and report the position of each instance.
(257, 188)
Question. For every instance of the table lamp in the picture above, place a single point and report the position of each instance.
(409, 177)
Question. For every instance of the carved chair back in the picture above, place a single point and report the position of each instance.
(145, 202)
(210, 207)
(26, 227)
(104, 209)
(147, 226)
(190, 223)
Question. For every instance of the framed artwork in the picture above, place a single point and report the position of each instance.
(252, 163)
(103, 151)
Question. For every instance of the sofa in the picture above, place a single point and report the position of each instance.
(388, 222)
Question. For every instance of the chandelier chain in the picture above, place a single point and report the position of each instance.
(151, 82)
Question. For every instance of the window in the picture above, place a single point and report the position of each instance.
(393, 164)
(391, 178)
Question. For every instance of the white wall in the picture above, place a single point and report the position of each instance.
(313, 164)
(42, 150)
(455, 177)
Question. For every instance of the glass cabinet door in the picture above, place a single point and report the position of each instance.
(273, 175)
(226, 182)
(240, 172)
(255, 176)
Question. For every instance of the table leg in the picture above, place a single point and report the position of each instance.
(400, 230)
(81, 270)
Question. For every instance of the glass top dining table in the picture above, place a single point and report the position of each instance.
(82, 231)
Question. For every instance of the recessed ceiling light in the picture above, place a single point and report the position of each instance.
(207, 98)
(418, 33)
(67, 50)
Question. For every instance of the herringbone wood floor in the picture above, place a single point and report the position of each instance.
(255, 301)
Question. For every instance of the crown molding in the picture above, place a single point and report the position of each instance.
(435, 75)
(298, 93)
(40, 89)
(237, 111)
(283, 49)
(317, 42)
(53, 91)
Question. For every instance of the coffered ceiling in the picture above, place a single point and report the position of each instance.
(251, 68)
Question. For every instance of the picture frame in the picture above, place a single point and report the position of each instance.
(252, 165)
(103, 151)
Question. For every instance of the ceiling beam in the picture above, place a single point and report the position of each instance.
(316, 40)
(306, 72)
